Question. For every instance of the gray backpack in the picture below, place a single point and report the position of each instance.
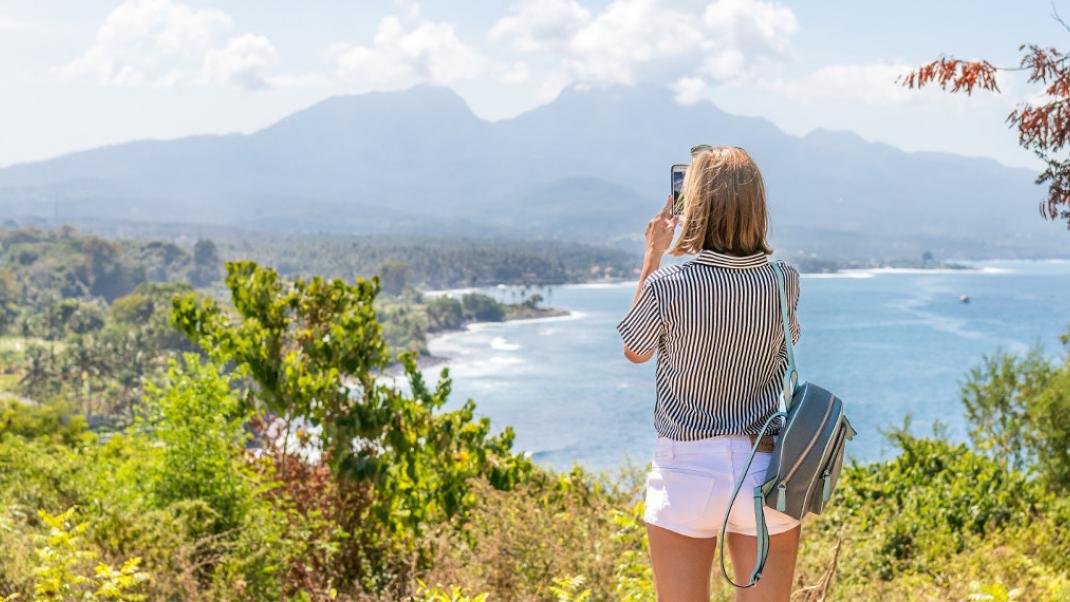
(806, 458)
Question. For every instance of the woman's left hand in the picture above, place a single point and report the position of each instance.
(660, 230)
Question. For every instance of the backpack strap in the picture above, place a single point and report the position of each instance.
(791, 377)
(791, 381)
(761, 530)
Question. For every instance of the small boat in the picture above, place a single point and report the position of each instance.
(964, 299)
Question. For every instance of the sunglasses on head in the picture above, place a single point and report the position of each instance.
(698, 148)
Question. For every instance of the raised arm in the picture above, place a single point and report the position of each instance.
(637, 328)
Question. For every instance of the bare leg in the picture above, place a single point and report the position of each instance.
(779, 572)
(681, 565)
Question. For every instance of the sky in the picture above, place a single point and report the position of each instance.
(78, 75)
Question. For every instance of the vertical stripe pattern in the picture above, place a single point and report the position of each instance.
(715, 324)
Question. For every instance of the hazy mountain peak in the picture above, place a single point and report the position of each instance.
(591, 163)
(421, 104)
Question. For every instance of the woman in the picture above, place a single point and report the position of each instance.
(715, 324)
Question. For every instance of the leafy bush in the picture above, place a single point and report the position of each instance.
(51, 421)
(482, 308)
(1019, 408)
(63, 560)
(312, 351)
(200, 426)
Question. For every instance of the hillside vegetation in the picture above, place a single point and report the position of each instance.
(265, 459)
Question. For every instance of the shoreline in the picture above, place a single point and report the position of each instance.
(960, 266)
(430, 360)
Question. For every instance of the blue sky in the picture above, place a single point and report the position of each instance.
(82, 74)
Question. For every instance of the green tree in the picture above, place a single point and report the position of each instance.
(40, 378)
(312, 350)
(199, 422)
(205, 263)
(482, 308)
(394, 276)
(1019, 411)
(10, 292)
(445, 313)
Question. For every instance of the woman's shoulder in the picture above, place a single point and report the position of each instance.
(662, 277)
(787, 267)
(791, 276)
(668, 272)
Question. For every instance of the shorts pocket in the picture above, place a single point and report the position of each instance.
(678, 496)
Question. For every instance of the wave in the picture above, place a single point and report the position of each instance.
(486, 366)
(450, 292)
(501, 344)
(872, 272)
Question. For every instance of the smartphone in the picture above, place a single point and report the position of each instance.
(678, 173)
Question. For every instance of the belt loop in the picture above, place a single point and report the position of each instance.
(672, 449)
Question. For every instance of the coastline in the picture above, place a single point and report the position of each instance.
(956, 267)
(430, 360)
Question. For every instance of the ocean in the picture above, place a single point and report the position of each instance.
(892, 343)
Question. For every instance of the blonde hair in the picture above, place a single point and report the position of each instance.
(724, 205)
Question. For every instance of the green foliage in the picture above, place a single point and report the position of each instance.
(312, 350)
(430, 263)
(1019, 411)
(62, 559)
(393, 275)
(10, 291)
(634, 579)
(571, 589)
(405, 324)
(49, 279)
(299, 344)
(199, 424)
(445, 313)
(931, 499)
(206, 263)
(439, 594)
(482, 308)
(48, 421)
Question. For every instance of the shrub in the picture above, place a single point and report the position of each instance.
(481, 308)
(1019, 409)
(52, 421)
(312, 351)
(62, 570)
(199, 423)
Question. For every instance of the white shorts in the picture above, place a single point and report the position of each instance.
(688, 487)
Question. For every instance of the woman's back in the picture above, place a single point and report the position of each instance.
(717, 328)
(715, 323)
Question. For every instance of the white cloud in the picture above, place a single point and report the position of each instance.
(429, 53)
(629, 34)
(244, 62)
(872, 83)
(540, 24)
(753, 26)
(141, 39)
(629, 40)
(692, 90)
(166, 43)
(518, 72)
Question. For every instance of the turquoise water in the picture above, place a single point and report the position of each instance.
(890, 343)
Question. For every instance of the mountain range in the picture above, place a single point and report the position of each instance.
(591, 166)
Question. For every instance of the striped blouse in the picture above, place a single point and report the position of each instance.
(715, 323)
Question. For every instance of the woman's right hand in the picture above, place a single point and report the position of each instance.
(660, 231)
